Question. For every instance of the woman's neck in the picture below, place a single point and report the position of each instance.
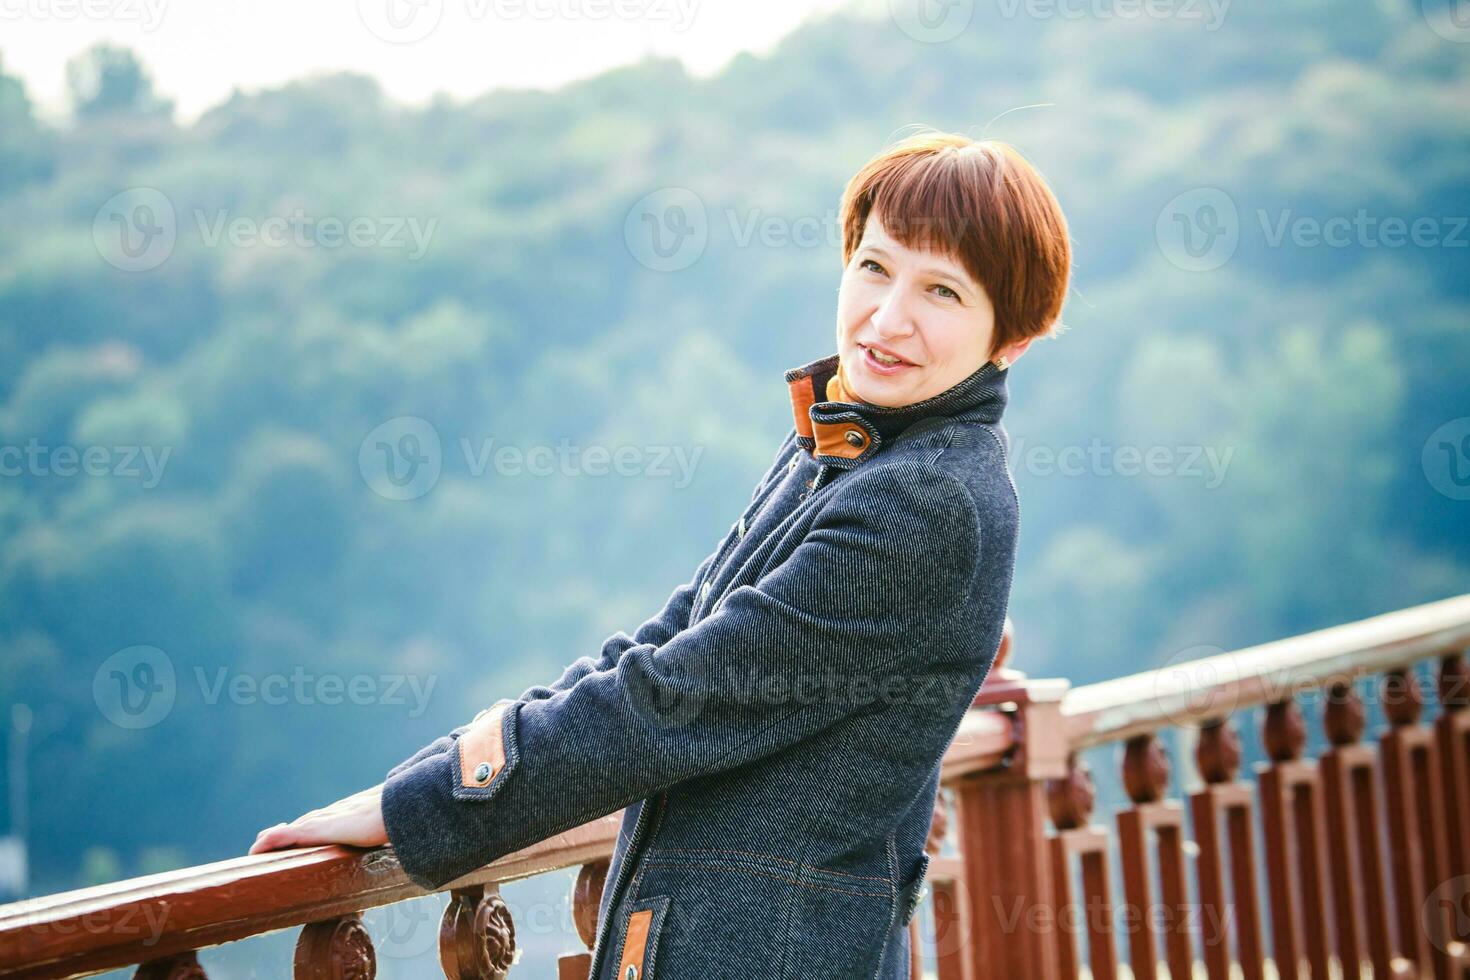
(837, 390)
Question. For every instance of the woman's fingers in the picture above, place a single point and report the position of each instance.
(284, 834)
(267, 830)
(353, 820)
(266, 840)
(299, 833)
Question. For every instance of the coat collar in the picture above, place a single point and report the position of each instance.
(844, 432)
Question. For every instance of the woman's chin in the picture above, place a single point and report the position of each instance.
(886, 395)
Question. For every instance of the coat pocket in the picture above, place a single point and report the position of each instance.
(638, 951)
(912, 893)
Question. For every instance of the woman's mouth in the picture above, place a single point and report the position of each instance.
(882, 364)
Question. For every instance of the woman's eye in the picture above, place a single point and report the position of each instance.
(948, 293)
(869, 262)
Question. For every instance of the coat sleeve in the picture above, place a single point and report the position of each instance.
(873, 591)
(661, 628)
(657, 630)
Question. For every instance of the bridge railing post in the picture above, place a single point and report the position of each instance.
(1002, 822)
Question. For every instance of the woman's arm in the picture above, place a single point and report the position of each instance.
(662, 627)
(357, 818)
(655, 631)
(870, 596)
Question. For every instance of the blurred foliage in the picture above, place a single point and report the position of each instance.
(255, 374)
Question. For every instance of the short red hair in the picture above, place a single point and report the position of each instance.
(983, 204)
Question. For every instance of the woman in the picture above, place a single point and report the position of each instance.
(775, 732)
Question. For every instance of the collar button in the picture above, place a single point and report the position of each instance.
(855, 438)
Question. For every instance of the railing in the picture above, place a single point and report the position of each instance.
(1367, 847)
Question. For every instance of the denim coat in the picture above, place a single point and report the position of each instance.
(775, 732)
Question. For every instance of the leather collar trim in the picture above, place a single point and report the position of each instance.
(844, 433)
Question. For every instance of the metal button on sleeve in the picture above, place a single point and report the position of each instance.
(482, 772)
(632, 973)
(854, 437)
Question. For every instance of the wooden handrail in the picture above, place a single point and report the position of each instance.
(90, 930)
(1197, 691)
(1210, 688)
(95, 929)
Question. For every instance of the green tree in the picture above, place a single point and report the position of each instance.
(107, 80)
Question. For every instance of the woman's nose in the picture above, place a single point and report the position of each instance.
(892, 318)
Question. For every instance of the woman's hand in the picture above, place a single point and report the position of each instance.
(355, 820)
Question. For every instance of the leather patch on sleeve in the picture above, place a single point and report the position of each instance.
(482, 749)
(635, 944)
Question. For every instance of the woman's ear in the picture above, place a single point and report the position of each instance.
(1012, 352)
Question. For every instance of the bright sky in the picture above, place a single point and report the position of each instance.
(198, 50)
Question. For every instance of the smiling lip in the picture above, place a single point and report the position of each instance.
(877, 366)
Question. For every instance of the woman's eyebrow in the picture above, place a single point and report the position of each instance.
(931, 270)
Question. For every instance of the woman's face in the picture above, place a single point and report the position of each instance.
(921, 307)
